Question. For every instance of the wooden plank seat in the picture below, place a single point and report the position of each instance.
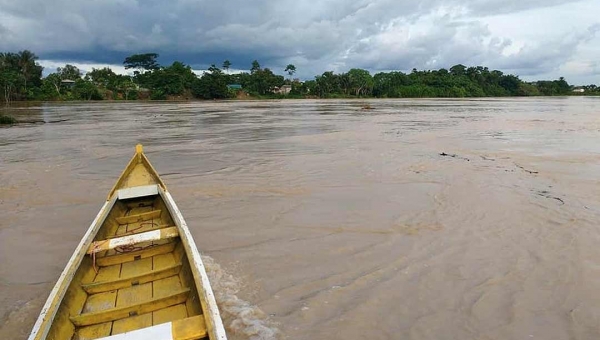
(139, 308)
(128, 240)
(184, 329)
(139, 217)
(110, 260)
(105, 286)
(140, 229)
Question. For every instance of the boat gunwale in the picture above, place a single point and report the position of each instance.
(214, 323)
(46, 318)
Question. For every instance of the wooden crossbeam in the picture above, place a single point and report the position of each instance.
(183, 329)
(128, 240)
(99, 287)
(139, 217)
(117, 313)
(110, 260)
(141, 230)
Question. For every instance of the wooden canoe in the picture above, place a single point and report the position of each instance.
(136, 274)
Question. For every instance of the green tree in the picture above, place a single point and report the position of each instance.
(173, 80)
(361, 81)
(255, 67)
(145, 61)
(51, 84)
(263, 81)
(510, 83)
(30, 69)
(125, 85)
(458, 70)
(10, 80)
(226, 65)
(69, 72)
(327, 84)
(212, 85)
(290, 69)
(104, 77)
(85, 90)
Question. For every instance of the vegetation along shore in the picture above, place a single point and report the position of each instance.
(21, 79)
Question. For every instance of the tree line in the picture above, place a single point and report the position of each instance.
(21, 79)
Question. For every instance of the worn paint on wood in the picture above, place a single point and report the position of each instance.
(129, 240)
(132, 256)
(184, 329)
(139, 217)
(98, 287)
(127, 288)
(123, 312)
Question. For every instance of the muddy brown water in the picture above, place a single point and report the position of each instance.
(414, 219)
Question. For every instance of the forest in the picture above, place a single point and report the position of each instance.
(21, 79)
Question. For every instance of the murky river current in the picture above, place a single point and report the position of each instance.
(382, 219)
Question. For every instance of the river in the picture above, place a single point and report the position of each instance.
(333, 219)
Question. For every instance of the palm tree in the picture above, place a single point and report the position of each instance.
(27, 65)
(226, 65)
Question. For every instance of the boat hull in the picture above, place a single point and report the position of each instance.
(137, 271)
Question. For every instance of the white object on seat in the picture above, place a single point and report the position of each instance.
(141, 191)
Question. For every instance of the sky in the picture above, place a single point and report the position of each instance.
(534, 39)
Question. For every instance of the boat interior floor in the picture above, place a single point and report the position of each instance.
(134, 279)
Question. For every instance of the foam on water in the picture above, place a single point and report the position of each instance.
(240, 317)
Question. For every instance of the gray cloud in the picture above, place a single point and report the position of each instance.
(315, 35)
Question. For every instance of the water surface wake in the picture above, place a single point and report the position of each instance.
(241, 319)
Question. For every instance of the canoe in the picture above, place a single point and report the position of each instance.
(136, 274)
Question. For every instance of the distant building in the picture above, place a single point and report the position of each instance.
(234, 86)
(579, 90)
(285, 89)
(67, 83)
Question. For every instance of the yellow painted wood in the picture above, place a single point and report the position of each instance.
(165, 287)
(189, 328)
(124, 282)
(139, 176)
(130, 296)
(140, 202)
(61, 328)
(93, 331)
(164, 261)
(193, 303)
(53, 321)
(136, 267)
(165, 216)
(121, 230)
(96, 313)
(169, 314)
(131, 256)
(123, 312)
(145, 216)
(72, 303)
(138, 170)
(137, 239)
(100, 302)
(132, 323)
(108, 273)
(145, 226)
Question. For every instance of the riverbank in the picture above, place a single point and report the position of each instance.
(247, 96)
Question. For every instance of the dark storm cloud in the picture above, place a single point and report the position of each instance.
(314, 35)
